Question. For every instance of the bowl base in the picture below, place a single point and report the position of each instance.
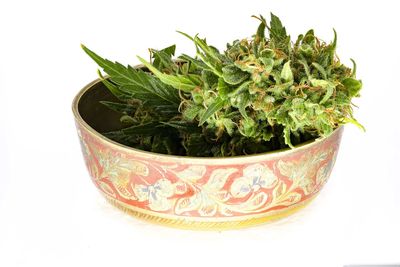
(208, 224)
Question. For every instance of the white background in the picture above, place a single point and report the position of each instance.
(52, 215)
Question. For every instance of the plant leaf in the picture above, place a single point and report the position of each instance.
(121, 95)
(332, 47)
(179, 82)
(223, 88)
(286, 73)
(215, 106)
(276, 30)
(286, 134)
(163, 58)
(353, 86)
(208, 51)
(328, 94)
(306, 68)
(354, 71)
(355, 122)
(211, 56)
(233, 75)
(197, 63)
(320, 69)
(137, 83)
(268, 64)
(191, 112)
(260, 35)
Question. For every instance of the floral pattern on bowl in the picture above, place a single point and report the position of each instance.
(214, 189)
(199, 193)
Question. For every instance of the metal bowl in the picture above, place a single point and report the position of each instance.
(198, 192)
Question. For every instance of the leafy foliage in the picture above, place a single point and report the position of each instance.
(260, 94)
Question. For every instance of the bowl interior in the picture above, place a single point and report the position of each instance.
(97, 115)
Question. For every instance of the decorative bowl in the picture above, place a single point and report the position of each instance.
(198, 193)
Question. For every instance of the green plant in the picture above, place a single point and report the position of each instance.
(260, 94)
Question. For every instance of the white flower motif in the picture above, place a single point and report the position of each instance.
(302, 170)
(157, 194)
(296, 170)
(192, 173)
(254, 178)
(210, 199)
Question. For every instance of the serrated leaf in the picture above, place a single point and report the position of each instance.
(163, 58)
(208, 51)
(121, 95)
(267, 136)
(135, 134)
(209, 55)
(179, 82)
(198, 64)
(137, 83)
(215, 106)
(277, 31)
(286, 135)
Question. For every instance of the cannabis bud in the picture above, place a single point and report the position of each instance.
(260, 94)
